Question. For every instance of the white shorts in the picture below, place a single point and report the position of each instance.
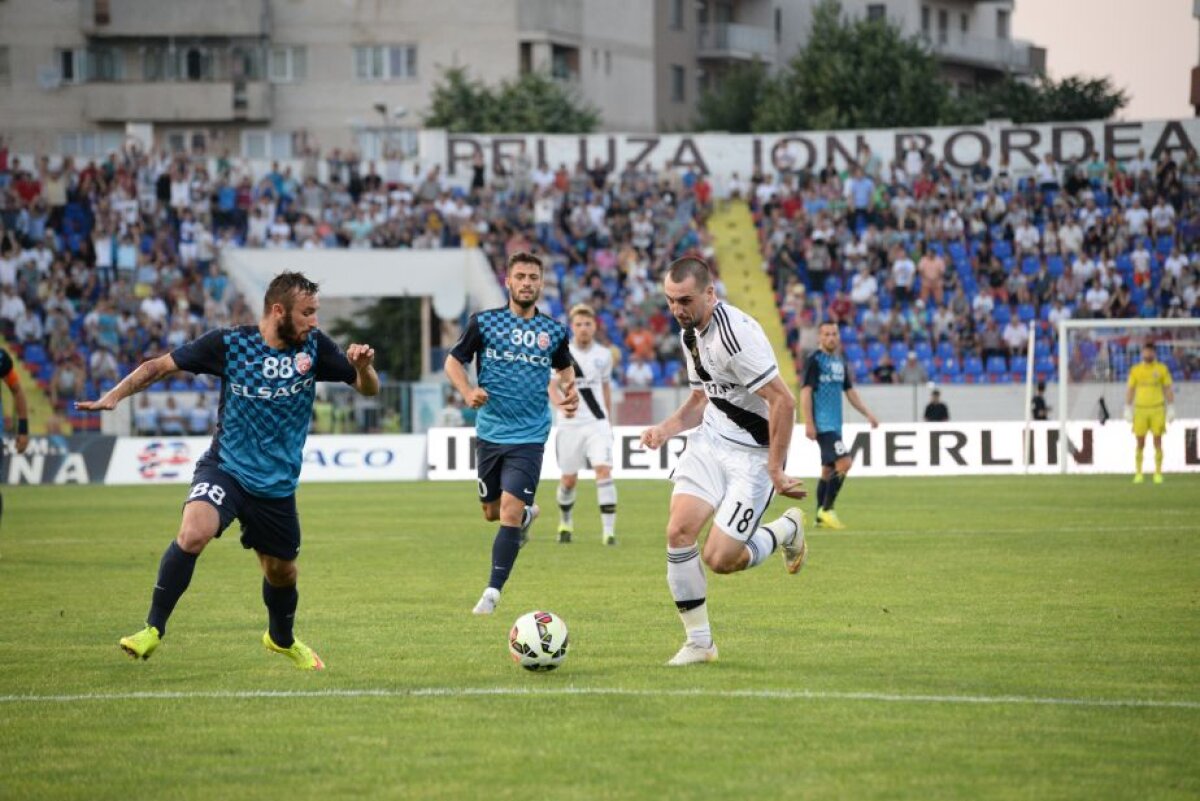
(586, 445)
(732, 478)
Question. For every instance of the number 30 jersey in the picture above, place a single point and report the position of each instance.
(266, 401)
(513, 359)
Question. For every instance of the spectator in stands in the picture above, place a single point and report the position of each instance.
(932, 269)
(171, 420)
(936, 411)
(145, 418)
(913, 371)
(885, 371)
(103, 366)
(991, 342)
(1016, 338)
(639, 375)
(200, 417)
(66, 383)
(903, 275)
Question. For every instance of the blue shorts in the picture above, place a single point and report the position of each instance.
(514, 469)
(832, 447)
(269, 525)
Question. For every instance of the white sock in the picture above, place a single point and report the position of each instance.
(685, 577)
(566, 500)
(762, 543)
(606, 496)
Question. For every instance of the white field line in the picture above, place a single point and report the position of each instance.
(549, 692)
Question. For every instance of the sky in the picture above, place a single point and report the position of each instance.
(1147, 47)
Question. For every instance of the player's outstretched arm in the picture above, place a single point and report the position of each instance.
(146, 374)
(362, 359)
(781, 418)
(857, 403)
(686, 416)
(568, 394)
(472, 396)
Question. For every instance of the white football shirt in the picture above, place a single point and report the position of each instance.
(593, 369)
(735, 360)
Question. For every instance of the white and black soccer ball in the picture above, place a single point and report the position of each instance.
(538, 641)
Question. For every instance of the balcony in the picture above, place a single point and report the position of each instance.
(731, 41)
(171, 101)
(555, 18)
(1003, 55)
(156, 18)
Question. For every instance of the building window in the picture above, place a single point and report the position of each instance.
(70, 65)
(90, 143)
(876, 12)
(266, 144)
(287, 64)
(676, 21)
(564, 63)
(105, 64)
(1002, 23)
(196, 64)
(608, 62)
(778, 25)
(377, 143)
(385, 63)
(926, 25)
(5, 70)
(678, 84)
(964, 23)
(943, 26)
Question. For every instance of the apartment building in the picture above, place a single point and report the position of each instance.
(265, 78)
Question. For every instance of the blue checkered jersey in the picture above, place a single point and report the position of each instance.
(266, 401)
(828, 377)
(6, 369)
(513, 359)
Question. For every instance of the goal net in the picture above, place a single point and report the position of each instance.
(1091, 367)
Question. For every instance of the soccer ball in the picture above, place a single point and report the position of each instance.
(538, 641)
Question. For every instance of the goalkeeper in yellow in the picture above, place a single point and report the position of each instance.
(1149, 405)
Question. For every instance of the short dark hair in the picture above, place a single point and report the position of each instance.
(825, 323)
(697, 268)
(284, 288)
(524, 257)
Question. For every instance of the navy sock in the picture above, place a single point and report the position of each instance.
(174, 575)
(504, 555)
(822, 486)
(832, 490)
(281, 609)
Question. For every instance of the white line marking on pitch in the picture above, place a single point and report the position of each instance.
(463, 692)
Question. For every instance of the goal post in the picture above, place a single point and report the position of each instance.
(1094, 358)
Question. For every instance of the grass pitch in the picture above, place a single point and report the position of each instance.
(966, 638)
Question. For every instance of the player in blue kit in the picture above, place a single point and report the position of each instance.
(825, 379)
(514, 348)
(268, 381)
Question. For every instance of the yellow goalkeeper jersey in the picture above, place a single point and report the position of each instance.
(1148, 381)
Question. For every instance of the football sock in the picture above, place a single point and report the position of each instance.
(281, 610)
(1137, 460)
(566, 501)
(174, 575)
(685, 576)
(1158, 454)
(831, 491)
(762, 543)
(822, 486)
(606, 495)
(504, 555)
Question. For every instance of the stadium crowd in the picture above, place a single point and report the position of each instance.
(934, 274)
(931, 272)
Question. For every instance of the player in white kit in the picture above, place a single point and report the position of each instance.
(586, 440)
(743, 414)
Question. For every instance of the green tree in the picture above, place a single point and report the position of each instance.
(853, 74)
(731, 105)
(393, 327)
(533, 102)
(1042, 99)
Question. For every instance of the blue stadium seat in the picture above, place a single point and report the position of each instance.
(1026, 312)
(924, 350)
(874, 351)
(899, 352)
(1044, 368)
(854, 352)
(996, 365)
(832, 285)
(849, 334)
(1164, 244)
(1019, 365)
(1041, 350)
(945, 350)
(862, 374)
(1054, 265)
(1001, 314)
(1029, 265)
(1002, 249)
(973, 366)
